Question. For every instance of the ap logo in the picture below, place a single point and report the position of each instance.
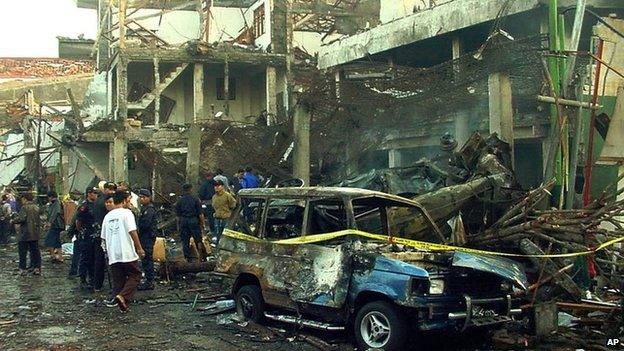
(613, 342)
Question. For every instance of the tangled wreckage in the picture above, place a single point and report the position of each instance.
(331, 257)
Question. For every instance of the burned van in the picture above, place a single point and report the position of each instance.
(326, 258)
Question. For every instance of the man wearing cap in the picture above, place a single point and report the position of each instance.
(190, 223)
(85, 227)
(223, 203)
(147, 236)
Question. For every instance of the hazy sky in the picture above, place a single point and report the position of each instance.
(28, 28)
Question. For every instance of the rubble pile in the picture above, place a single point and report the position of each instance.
(571, 257)
(231, 146)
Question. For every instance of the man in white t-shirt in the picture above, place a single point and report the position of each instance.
(121, 243)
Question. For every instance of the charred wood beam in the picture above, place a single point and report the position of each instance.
(180, 267)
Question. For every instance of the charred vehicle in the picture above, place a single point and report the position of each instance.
(325, 258)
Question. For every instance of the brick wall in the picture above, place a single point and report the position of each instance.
(42, 67)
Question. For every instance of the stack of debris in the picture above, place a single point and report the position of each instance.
(571, 256)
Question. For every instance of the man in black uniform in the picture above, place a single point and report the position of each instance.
(99, 258)
(147, 235)
(85, 227)
(190, 223)
(206, 192)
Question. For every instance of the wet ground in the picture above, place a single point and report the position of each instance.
(50, 312)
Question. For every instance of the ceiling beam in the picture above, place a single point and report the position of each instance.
(169, 4)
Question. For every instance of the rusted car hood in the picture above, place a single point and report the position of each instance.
(503, 267)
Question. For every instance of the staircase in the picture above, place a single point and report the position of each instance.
(148, 98)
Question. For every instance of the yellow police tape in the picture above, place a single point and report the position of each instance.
(420, 245)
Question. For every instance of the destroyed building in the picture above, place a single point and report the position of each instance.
(33, 93)
(457, 66)
(182, 82)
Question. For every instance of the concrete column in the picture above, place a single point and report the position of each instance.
(64, 171)
(226, 86)
(198, 92)
(395, 159)
(193, 154)
(118, 161)
(462, 118)
(462, 128)
(109, 93)
(337, 81)
(301, 152)
(103, 44)
(271, 92)
(122, 89)
(29, 143)
(157, 99)
(456, 48)
(501, 110)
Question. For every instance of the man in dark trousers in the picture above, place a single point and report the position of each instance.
(206, 192)
(28, 235)
(85, 227)
(190, 223)
(56, 224)
(99, 259)
(121, 241)
(148, 219)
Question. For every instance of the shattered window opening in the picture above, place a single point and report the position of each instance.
(284, 219)
(248, 218)
(221, 89)
(326, 216)
(373, 215)
(370, 215)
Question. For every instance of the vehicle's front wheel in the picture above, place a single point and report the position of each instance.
(249, 303)
(380, 325)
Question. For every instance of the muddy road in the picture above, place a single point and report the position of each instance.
(50, 312)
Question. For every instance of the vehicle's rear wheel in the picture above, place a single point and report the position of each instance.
(380, 325)
(249, 303)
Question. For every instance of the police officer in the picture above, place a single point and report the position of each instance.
(147, 235)
(99, 258)
(190, 222)
(85, 227)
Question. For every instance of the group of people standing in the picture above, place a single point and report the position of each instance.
(113, 230)
(110, 234)
(211, 209)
